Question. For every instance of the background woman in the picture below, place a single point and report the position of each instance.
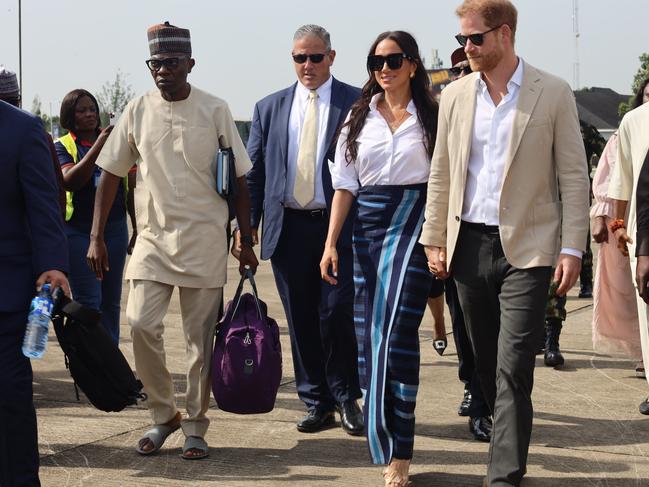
(77, 152)
(615, 315)
(383, 160)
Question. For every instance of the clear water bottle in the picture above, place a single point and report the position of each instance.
(38, 323)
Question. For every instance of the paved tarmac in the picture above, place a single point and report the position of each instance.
(588, 431)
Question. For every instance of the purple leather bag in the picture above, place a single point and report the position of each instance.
(247, 361)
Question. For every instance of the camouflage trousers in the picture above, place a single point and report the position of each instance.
(586, 274)
(556, 305)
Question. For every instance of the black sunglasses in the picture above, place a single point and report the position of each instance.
(455, 71)
(314, 58)
(169, 63)
(395, 61)
(476, 39)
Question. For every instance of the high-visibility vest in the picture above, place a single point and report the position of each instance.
(71, 146)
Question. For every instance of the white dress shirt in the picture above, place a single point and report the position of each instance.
(384, 158)
(492, 128)
(295, 122)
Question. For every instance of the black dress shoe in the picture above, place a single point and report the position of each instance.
(480, 428)
(351, 418)
(644, 407)
(316, 420)
(463, 410)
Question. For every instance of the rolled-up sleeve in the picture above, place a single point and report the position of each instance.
(344, 175)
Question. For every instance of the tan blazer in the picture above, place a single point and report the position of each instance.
(544, 198)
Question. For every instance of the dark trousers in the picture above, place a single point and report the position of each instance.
(18, 434)
(320, 316)
(466, 364)
(504, 310)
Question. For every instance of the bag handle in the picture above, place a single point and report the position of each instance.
(248, 275)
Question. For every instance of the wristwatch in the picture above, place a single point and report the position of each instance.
(247, 240)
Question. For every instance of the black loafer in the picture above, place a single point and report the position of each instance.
(480, 428)
(351, 418)
(644, 407)
(316, 420)
(463, 409)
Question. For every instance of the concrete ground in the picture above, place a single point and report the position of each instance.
(588, 431)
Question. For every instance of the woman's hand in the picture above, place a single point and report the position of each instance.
(329, 258)
(622, 239)
(103, 136)
(600, 230)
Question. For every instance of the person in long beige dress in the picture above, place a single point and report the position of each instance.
(615, 316)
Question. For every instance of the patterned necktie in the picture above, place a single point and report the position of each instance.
(304, 190)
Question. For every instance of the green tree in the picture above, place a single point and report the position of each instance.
(114, 96)
(640, 75)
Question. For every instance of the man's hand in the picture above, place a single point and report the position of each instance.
(329, 259)
(566, 273)
(97, 257)
(600, 230)
(642, 277)
(622, 239)
(56, 279)
(436, 261)
(247, 258)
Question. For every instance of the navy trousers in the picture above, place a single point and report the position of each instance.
(320, 316)
(18, 433)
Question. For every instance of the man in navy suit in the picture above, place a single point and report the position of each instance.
(292, 136)
(33, 251)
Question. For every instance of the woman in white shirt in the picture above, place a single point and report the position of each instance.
(383, 161)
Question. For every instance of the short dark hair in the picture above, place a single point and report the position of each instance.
(639, 95)
(69, 106)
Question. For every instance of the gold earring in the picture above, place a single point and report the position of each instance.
(412, 74)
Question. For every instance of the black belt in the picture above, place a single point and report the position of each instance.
(481, 227)
(320, 213)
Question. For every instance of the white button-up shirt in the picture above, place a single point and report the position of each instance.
(492, 128)
(295, 122)
(384, 158)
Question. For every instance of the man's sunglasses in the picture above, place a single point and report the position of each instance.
(394, 61)
(169, 63)
(477, 39)
(455, 71)
(314, 58)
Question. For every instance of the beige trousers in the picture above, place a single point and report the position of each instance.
(147, 305)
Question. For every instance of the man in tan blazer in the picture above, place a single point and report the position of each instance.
(508, 189)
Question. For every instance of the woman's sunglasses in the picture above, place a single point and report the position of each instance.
(394, 61)
(477, 39)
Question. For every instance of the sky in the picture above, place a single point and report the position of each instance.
(242, 48)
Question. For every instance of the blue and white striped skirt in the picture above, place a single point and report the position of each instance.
(392, 282)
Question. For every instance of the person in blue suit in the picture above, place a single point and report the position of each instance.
(33, 251)
(292, 137)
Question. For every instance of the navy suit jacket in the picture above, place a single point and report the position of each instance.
(268, 148)
(32, 238)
